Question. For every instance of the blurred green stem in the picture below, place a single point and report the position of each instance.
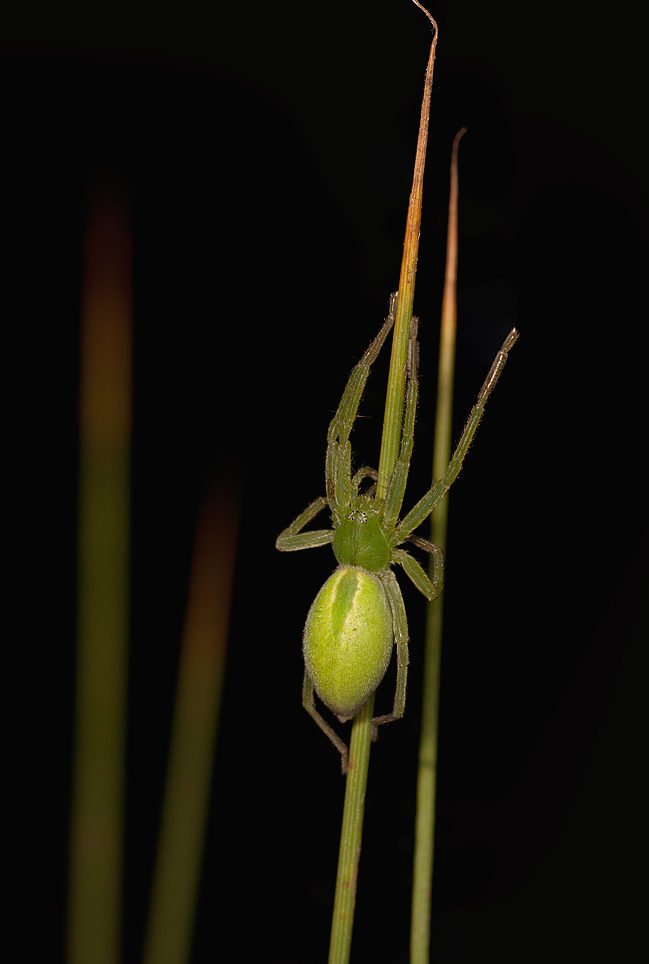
(427, 774)
(191, 755)
(97, 815)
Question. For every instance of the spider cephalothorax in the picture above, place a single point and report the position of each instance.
(359, 611)
(360, 539)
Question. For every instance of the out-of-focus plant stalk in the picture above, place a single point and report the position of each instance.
(198, 697)
(427, 773)
(97, 818)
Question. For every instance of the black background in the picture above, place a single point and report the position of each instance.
(269, 151)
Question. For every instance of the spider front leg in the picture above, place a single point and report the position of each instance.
(338, 462)
(400, 624)
(397, 486)
(289, 540)
(308, 702)
(439, 489)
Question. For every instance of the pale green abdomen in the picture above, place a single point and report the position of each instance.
(348, 640)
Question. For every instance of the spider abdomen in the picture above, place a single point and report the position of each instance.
(348, 640)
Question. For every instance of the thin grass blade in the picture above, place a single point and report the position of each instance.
(350, 846)
(427, 771)
(97, 815)
(191, 756)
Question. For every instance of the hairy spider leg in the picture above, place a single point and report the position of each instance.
(340, 486)
(400, 624)
(338, 461)
(436, 580)
(397, 486)
(290, 541)
(308, 702)
(429, 588)
(365, 473)
(439, 489)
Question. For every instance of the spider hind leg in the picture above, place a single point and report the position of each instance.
(308, 702)
(400, 623)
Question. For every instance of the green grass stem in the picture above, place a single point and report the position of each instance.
(198, 697)
(97, 813)
(397, 377)
(359, 752)
(350, 835)
(427, 772)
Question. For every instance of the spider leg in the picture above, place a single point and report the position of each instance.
(289, 540)
(439, 489)
(397, 486)
(400, 623)
(338, 462)
(308, 702)
(429, 587)
(365, 473)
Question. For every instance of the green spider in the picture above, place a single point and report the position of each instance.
(359, 612)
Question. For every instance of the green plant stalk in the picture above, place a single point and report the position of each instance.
(359, 751)
(398, 359)
(97, 818)
(350, 835)
(427, 771)
(198, 696)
